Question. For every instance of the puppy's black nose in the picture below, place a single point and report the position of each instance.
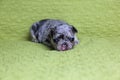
(65, 44)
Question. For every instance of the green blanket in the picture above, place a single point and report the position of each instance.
(96, 57)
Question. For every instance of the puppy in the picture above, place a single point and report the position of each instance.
(54, 33)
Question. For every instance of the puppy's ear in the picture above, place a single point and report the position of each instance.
(74, 29)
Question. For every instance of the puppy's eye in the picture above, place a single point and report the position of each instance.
(56, 40)
(71, 39)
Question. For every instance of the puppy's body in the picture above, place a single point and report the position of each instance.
(54, 33)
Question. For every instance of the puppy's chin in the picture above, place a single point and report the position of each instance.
(63, 47)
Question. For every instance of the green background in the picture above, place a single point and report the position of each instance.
(96, 57)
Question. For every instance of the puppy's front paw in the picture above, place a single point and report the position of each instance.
(76, 42)
(35, 40)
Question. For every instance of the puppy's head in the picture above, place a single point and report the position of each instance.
(63, 37)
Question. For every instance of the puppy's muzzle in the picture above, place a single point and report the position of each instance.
(64, 46)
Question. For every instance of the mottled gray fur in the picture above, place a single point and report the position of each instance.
(54, 33)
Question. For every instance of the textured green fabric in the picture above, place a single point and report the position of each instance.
(97, 57)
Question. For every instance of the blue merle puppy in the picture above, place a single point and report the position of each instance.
(54, 33)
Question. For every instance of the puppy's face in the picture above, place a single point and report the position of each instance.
(64, 38)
